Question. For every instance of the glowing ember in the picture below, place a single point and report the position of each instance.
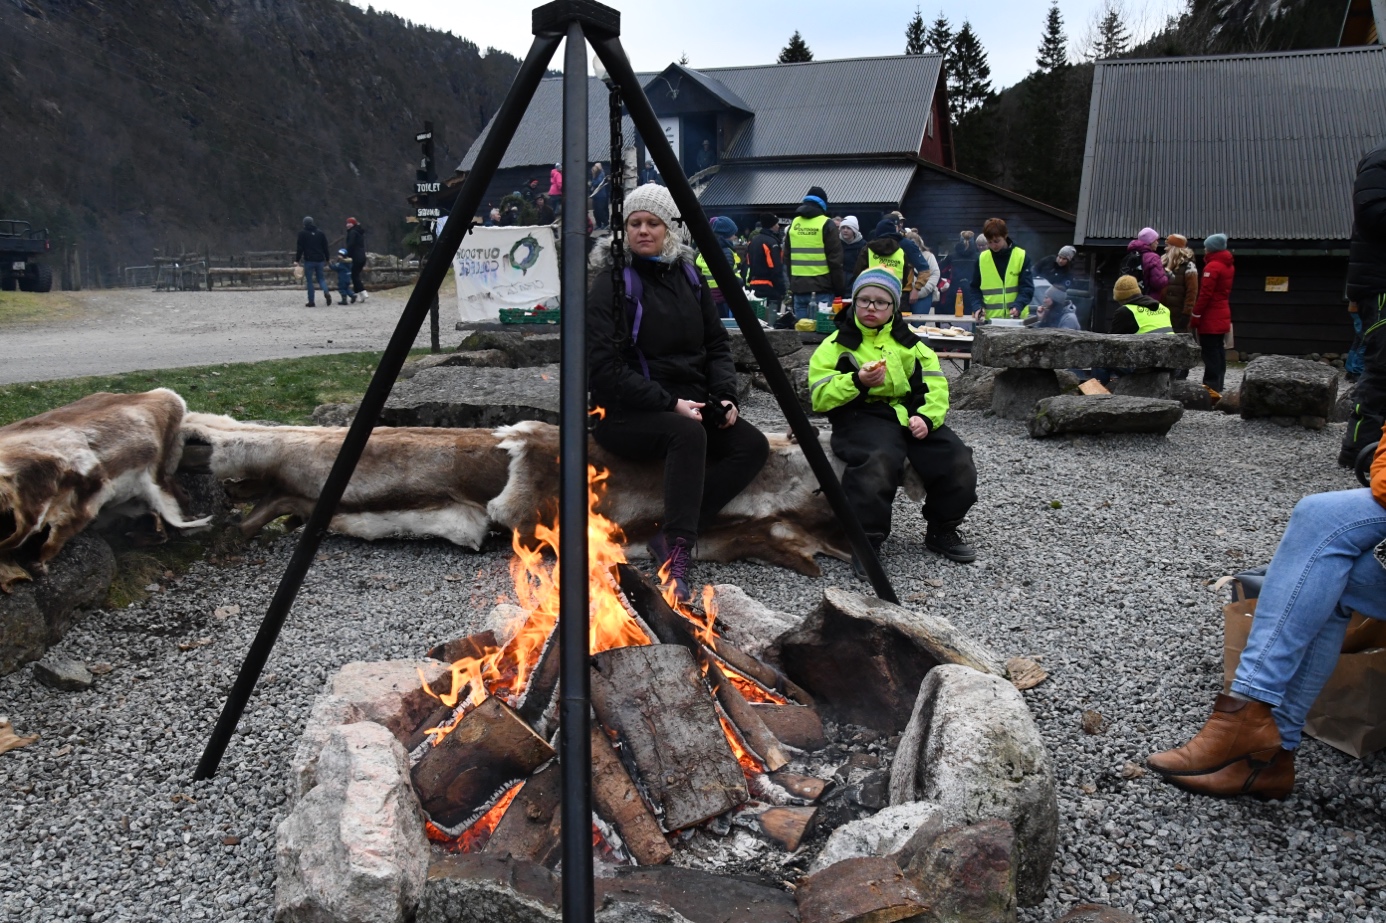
(474, 838)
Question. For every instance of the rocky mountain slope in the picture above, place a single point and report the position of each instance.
(221, 123)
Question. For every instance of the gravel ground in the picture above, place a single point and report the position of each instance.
(1110, 591)
(127, 330)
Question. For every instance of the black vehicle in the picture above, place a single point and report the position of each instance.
(20, 247)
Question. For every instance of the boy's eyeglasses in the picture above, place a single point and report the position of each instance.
(872, 304)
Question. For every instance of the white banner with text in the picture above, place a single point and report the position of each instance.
(505, 268)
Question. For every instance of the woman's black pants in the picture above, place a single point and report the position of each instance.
(1214, 359)
(704, 466)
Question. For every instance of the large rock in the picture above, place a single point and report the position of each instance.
(972, 747)
(747, 623)
(37, 614)
(390, 693)
(1053, 348)
(329, 712)
(1191, 394)
(885, 648)
(474, 359)
(885, 833)
(353, 850)
(1282, 386)
(972, 389)
(481, 888)
(783, 342)
(1015, 392)
(1143, 384)
(1103, 413)
(1342, 407)
(483, 398)
(966, 875)
(520, 349)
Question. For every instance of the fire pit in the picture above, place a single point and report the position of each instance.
(707, 762)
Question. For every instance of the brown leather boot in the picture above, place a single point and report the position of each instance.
(1267, 774)
(1237, 729)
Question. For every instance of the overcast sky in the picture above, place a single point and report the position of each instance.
(718, 33)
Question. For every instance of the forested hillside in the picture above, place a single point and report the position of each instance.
(1030, 137)
(135, 125)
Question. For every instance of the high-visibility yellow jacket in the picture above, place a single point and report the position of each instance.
(1151, 320)
(998, 291)
(914, 384)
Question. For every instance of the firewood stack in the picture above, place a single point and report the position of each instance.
(688, 729)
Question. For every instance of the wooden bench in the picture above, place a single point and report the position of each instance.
(964, 358)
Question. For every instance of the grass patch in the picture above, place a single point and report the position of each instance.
(34, 308)
(282, 390)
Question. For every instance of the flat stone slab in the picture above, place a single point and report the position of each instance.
(516, 348)
(1051, 348)
(1103, 413)
(474, 397)
(1283, 386)
(783, 342)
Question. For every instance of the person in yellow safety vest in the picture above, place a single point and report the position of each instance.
(892, 250)
(725, 229)
(887, 399)
(1138, 313)
(813, 253)
(1004, 283)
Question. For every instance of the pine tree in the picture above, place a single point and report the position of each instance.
(915, 35)
(969, 74)
(940, 35)
(1053, 50)
(796, 51)
(1113, 40)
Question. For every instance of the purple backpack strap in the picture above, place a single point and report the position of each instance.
(634, 290)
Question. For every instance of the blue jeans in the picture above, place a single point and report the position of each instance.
(313, 268)
(1323, 568)
(806, 304)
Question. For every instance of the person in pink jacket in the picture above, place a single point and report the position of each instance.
(555, 181)
(1212, 314)
(1152, 276)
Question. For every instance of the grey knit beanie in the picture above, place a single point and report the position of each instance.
(1215, 242)
(1067, 253)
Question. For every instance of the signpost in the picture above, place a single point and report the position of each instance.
(426, 185)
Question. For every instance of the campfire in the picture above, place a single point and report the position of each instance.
(688, 730)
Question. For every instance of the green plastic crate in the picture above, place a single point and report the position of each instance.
(529, 316)
(825, 323)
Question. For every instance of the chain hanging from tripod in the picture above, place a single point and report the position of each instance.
(618, 200)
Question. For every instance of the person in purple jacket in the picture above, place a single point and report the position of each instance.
(1141, 253)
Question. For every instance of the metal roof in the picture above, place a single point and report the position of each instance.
(818, 108)
(763, 185)
(1257, 147)
(712, 85)
(539, 136)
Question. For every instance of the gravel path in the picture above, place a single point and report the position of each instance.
(127, 330)
(1110, 591)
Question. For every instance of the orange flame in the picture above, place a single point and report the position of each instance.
(474, 838)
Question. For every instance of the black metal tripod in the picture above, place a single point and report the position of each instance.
(580, 22)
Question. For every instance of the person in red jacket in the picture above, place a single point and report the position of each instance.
(1323, 570)
(1212, 314)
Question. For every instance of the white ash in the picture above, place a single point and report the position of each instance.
(102, 820)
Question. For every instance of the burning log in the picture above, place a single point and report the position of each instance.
(488, 748)
(618, 802)
(753, 730)
(797, 725)
(788, 826)
(472, 646)
(436, 717)
(800, 786)
(672, 628)
(531, 825)
(654, 698)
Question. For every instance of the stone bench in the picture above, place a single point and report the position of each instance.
(1103, 413)
(1028, 358)
(1287, 390)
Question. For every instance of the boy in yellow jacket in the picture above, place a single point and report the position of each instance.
(886, 397)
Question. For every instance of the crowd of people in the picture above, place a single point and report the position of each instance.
(661, 367)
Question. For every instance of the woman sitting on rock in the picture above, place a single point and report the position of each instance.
(1323, 570)
(660, 366)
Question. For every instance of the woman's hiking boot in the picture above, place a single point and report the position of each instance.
(1237, 752)
(672, 557)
